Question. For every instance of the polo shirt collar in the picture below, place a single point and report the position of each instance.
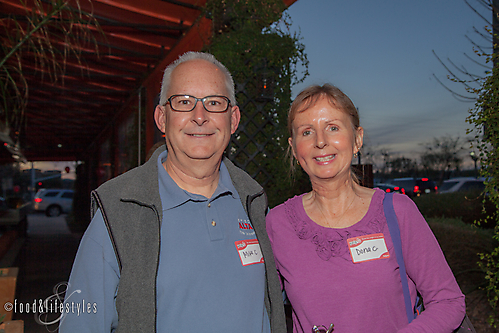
(173, 196)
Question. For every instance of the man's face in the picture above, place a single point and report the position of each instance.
(196, 135)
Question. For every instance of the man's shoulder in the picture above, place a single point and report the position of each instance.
(127, 178)
(141, 177)
(241, 178)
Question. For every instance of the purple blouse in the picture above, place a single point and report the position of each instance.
(324, 286)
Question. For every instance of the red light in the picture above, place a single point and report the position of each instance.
(424, 179)
(416, 188)
(436, 188)
(38, 200)
(39, 183)
(396, 188)
(388, 190)
(403, 191)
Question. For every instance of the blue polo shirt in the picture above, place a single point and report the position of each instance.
(209, 278)
(205, 281)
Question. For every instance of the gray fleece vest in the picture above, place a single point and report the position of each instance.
(132, 211)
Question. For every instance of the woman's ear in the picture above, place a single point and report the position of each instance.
(290, 142)
(359, 139)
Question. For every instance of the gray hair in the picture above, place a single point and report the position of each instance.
(188, 56)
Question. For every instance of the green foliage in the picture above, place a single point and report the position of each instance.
(485, 118)
(252, 39)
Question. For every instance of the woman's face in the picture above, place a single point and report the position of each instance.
(324, 141)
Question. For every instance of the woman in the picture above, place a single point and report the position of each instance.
(324, 280)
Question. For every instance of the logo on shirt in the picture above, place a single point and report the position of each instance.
(245, 224)
(245, 227)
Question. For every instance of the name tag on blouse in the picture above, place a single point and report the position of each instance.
(249, 252)
(367, 248)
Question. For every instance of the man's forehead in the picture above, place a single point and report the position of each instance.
(196, 65)
(197, 74)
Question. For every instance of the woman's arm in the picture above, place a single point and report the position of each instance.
(427, 267)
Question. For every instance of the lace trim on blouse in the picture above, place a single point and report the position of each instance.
(332, 242)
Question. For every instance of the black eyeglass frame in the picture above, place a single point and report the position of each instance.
(202, 100)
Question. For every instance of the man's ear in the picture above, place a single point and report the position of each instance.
(235, 117)
(160, 117)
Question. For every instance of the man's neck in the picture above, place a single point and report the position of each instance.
(200, 177)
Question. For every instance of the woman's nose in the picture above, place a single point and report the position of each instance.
(320, 141)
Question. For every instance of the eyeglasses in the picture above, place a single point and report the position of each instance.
(323, 329)
(186, 103)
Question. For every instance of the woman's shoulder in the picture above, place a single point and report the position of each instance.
(284, 215)
(403, 202)
(291, 202)
(399, 200)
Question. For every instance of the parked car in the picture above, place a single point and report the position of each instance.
(415, 186)
(462, 184)
(390, 188)
(13, 215)
(53, 201)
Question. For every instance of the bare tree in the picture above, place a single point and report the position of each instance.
(403, 166)
(442, 155)
(482, 46)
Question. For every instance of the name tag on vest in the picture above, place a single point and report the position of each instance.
(368, 247)
(249, 252)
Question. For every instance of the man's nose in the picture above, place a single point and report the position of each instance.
(199, 114)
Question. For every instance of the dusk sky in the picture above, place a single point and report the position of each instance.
(380, 54)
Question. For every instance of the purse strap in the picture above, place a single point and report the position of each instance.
(393, 227)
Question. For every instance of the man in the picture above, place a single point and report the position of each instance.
(176, 244)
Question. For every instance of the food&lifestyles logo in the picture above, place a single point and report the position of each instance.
(56, 304)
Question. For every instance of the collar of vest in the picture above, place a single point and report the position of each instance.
(139, 183)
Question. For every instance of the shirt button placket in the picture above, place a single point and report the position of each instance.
(214, 230)
(213, 223)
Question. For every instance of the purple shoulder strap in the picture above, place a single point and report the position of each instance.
(393, 227)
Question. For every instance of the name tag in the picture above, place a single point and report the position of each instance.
(368, 247)
(249, 252)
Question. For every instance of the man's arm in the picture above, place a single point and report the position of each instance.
(89, 304)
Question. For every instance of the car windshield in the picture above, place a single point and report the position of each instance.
(407, 184)
(3, 204)
(473, 186)
(447, 185)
